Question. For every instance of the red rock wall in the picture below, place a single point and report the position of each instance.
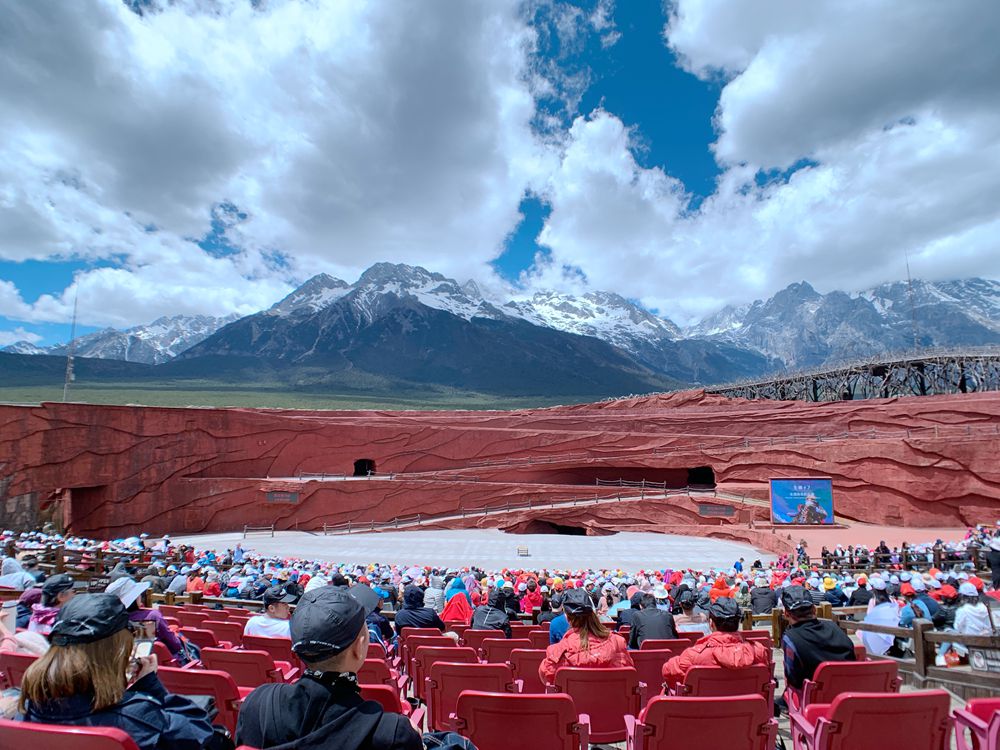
(915, 461)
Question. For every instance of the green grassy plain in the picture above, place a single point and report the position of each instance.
(207, 393)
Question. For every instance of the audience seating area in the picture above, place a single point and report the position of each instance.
(483, 686)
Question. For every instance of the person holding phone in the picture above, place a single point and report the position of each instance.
(84, 680)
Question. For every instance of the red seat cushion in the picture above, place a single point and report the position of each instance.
(816, 711)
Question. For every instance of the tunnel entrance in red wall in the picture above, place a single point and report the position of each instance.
(672, 478)
(364, 467)
(540, 526)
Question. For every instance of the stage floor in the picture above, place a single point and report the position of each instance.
(492, 549)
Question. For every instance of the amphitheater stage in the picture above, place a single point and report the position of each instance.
(492, 549)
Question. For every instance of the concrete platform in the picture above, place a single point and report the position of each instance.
(492, 549)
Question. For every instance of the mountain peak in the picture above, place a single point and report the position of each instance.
(398, 273)
(314, 294)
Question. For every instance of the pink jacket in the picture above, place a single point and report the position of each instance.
(611, 652)
(715, 650)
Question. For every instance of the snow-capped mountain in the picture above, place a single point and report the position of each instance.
(804, 328)
(23, 347)
(152, 344)
(315, 294)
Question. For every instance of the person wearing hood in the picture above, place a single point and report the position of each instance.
(119, 571)
(492, 616)
(587, 644)
(324, 708)
(415, 613)
(722, 648)
(456, 587)
(763, 599)
(808, 641)
(721, 588)
(993, 560)
(13, 576)
(25, 602)
(625, 615)
(56, 592)
(651, 621)
(433, 594)
(82, 681)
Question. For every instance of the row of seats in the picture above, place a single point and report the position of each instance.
(510, 721)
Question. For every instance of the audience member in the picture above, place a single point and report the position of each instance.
(650, 622)
(415, 614)
(587, 644)
(492, 615)
(808, 641)
(56, 592)
(273, 622)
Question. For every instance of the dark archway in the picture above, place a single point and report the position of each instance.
(364, 467)
(701, 476)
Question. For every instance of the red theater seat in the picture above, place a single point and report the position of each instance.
(676, 646)
(539, 638)
(496, 650)
(378, 672)
(721, 723)
(498, 721)
(231, 632)
(876, 721)
(709, 682)
(280, 649)
(218, 684)
(978, 725)
(425, 656)
(607, 696)
(835, 677)
(649, 664)
(390, 701)
(446, 680)
(13, 666)
(525, 663)
(249, 669)
(475, 638)
(18, 735)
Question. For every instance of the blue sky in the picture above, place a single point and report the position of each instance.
(204, 156)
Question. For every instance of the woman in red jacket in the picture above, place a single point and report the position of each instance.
(587, 643)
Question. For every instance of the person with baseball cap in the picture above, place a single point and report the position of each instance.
(83, 678)
(324, 708)
(722, 648)
(56, 592)
(587, 644)
(273, 623)
(808, 641)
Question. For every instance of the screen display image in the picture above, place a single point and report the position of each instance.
(802, 501)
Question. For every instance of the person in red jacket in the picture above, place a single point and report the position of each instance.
(722, 648)
(587, 643)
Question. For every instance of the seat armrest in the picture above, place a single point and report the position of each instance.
(963, 720)
(417, 718)
(193, 664)
(799, 724)
(517, 686)
(643, 698)
(551, 689)
(290, 676)
(583, 729)
(401, 682)
(633, 733)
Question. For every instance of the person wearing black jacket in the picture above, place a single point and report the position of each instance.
(635, 604)
(414, 614)
(324, 709)
(650, 622)
(861, 595)
(993, 559)
(762, 598)
(491, 616)
(808, 642)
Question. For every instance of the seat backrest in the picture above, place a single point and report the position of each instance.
(835, 677)
(717, 681)
(407, 633)
(692, 636)
(496, 650)
(475, 638)
(420, 641)
(985, 709)
(425, 656)
(13, 666)
(217, 614)
(225, 630)
(377, 651)
(200, 637)
(880, 721)
(19, 734)
(539, 638)
(649, 664)
(718, 723)
(676, 646)
(606, 695)
(216, 683)
(248, 668)
(168, 610)
(384, 695)
(525, 663)
(191, 619)
(760, 636)
(520, 630)
(280, 649)
(375, 672)
(501, 721)
(446, 680)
